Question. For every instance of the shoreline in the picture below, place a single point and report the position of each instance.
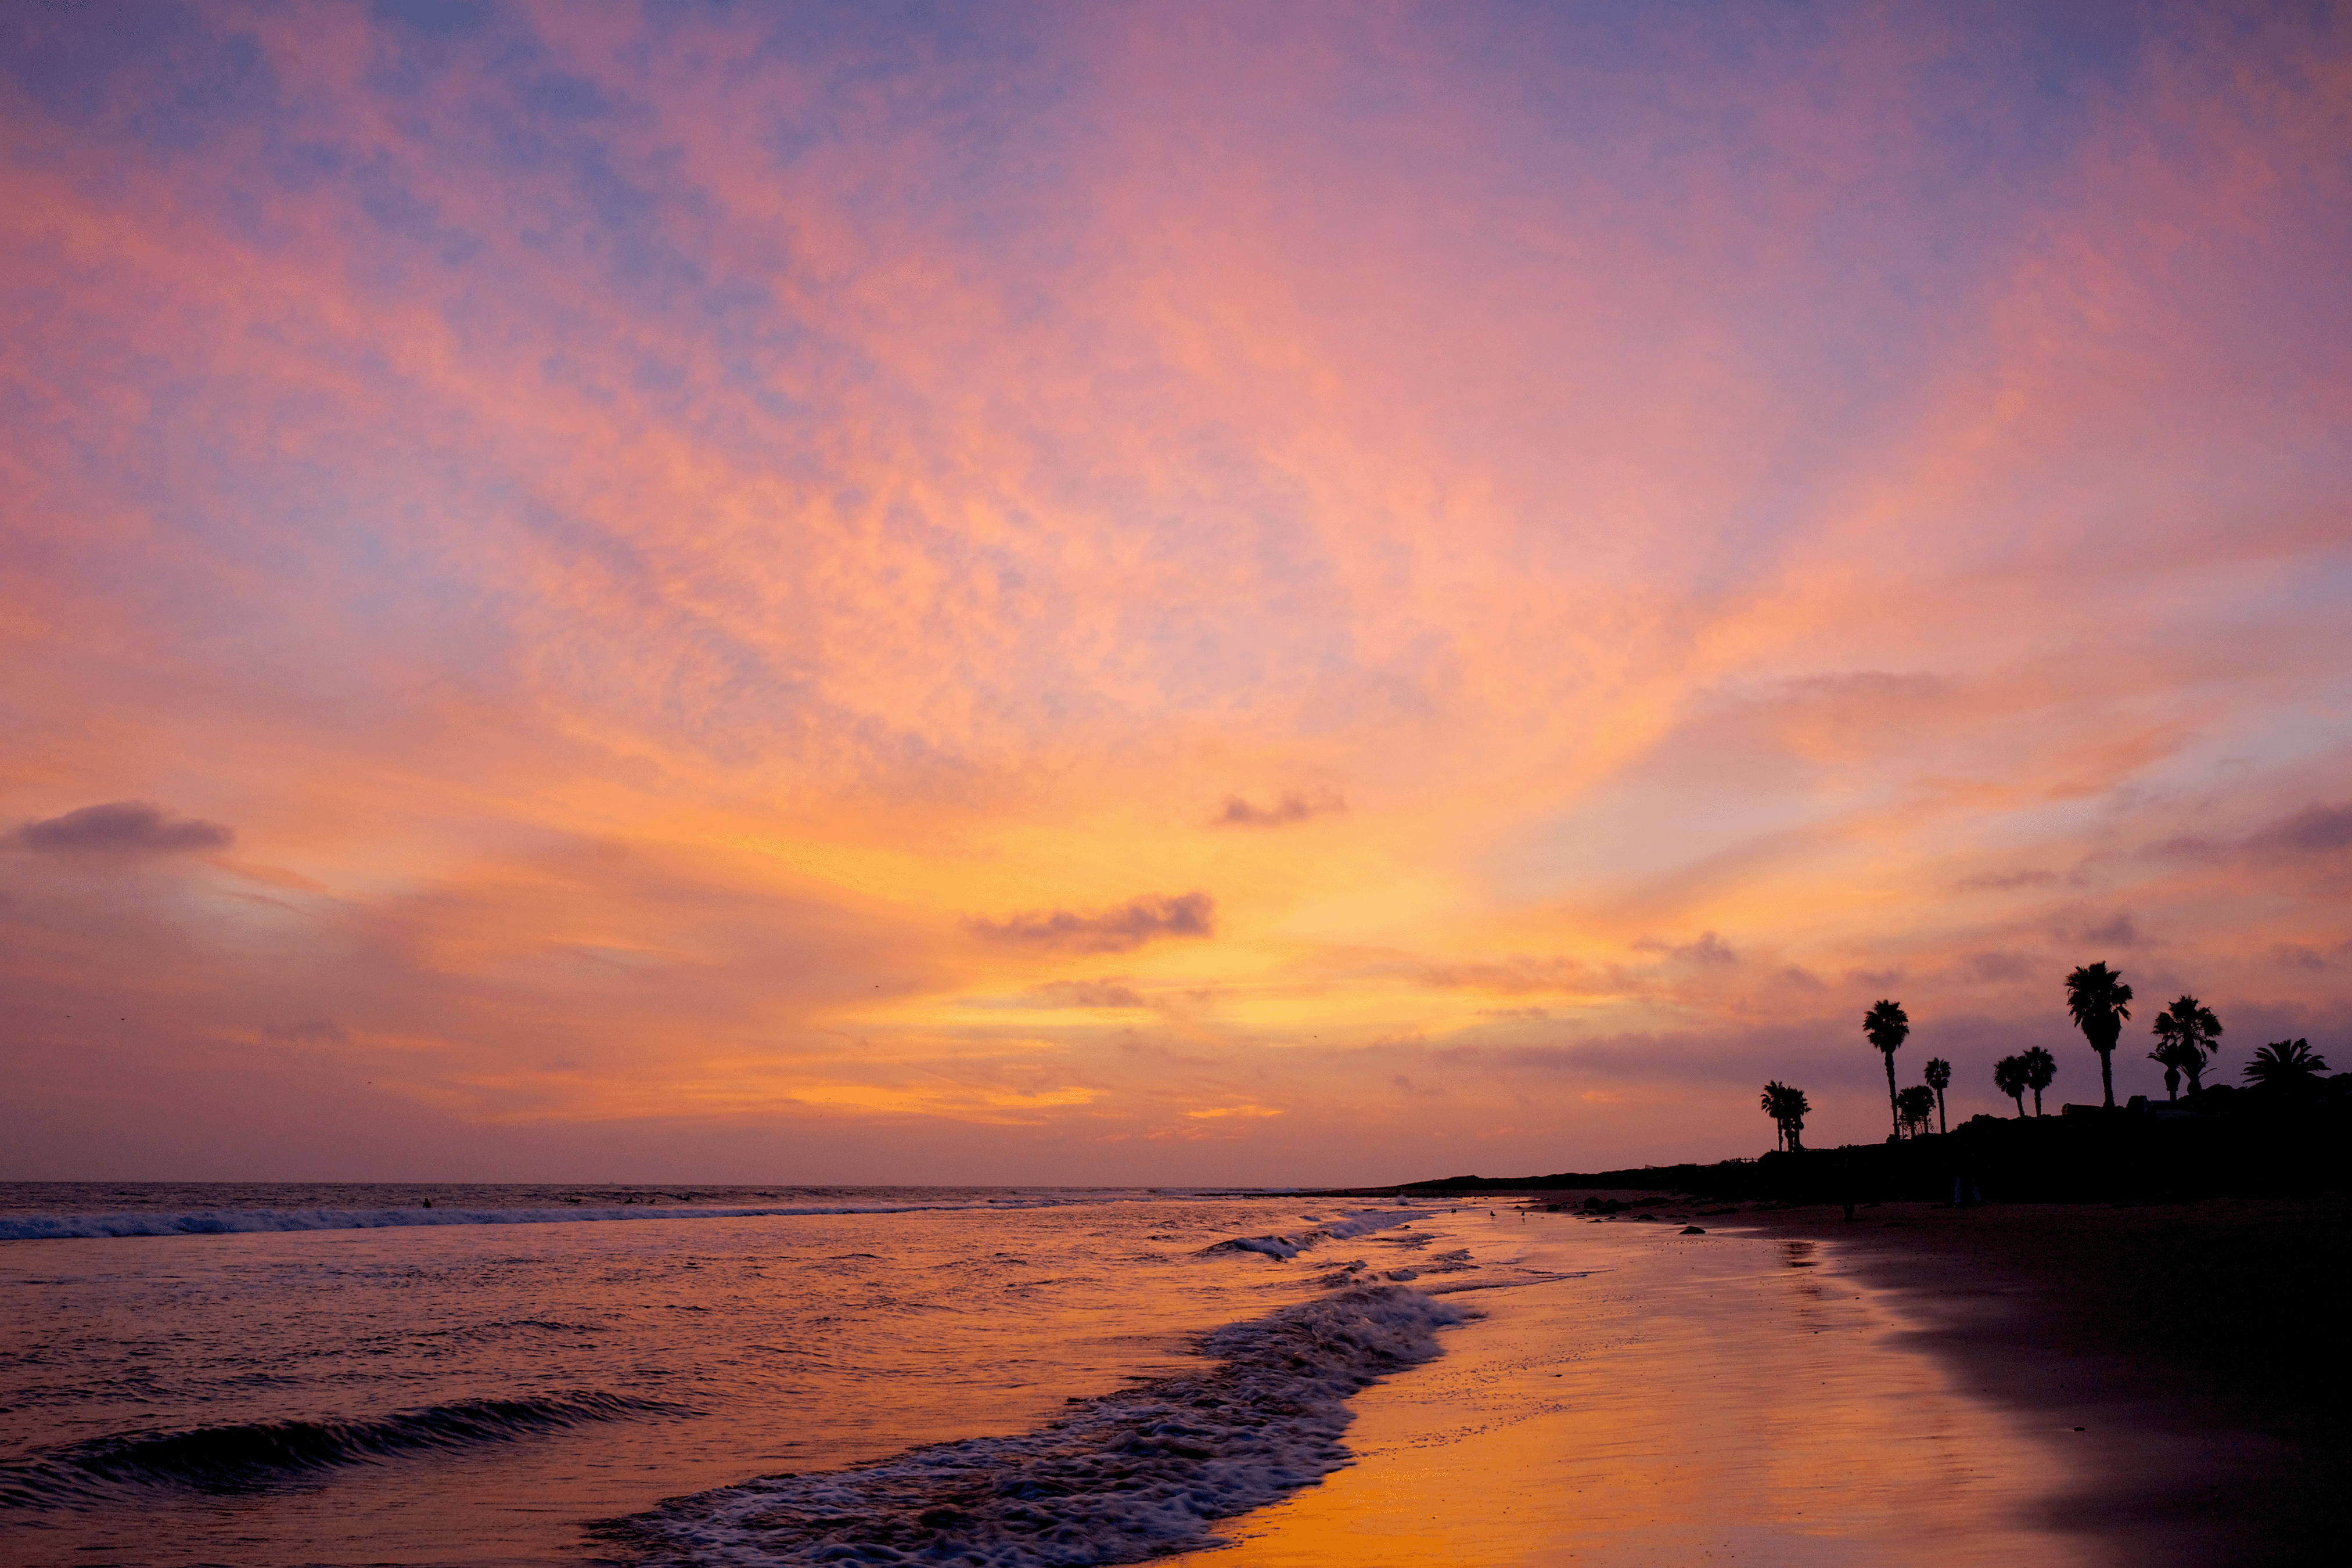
(1679, 1398)
(2190, 1342)
(2153, 1385)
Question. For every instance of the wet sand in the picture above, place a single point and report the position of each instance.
(1719, 1399)
(2199, 1347)
(2036, 1385)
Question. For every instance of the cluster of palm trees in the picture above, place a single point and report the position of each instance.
(1787, 1108)
(2031, 1068)
(2188, 1038)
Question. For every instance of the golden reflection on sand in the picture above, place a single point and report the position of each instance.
(1717, 1398)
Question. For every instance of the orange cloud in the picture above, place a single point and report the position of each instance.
(718, 569)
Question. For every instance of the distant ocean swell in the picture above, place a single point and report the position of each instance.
(1122, 1477)
(241, 1457)
(222, 1222)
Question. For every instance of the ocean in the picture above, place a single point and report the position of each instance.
(1000, 1377)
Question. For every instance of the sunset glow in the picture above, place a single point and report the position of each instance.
(1205, 594)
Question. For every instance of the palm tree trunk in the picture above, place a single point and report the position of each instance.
(1941, 1125)
(2107, 1074)
(2037, 1103)
(1894, 1113)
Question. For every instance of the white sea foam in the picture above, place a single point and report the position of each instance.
(1124, 1476)
(1359, 1222)
(222, 1222)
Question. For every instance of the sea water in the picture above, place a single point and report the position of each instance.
(520, 1375)
(990, 1377)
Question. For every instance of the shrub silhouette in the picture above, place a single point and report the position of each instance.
(2096, 997)
(1913, 1107)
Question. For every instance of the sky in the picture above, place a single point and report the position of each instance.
(1211, 594)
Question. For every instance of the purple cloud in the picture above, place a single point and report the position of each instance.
(1290, 809)
(121, 827)
(1130, 925)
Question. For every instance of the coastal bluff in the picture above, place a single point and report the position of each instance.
(2225, 1142)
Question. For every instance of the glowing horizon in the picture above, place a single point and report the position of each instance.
(1256, 594)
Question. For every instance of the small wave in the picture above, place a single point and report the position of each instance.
(244, 1457)
(1125, 1476)
(1363, 1221)
(228, 1222)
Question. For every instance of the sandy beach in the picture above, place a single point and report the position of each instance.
(2195, 1346)
(2042, 1384)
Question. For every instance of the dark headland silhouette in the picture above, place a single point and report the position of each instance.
(2288, 1127)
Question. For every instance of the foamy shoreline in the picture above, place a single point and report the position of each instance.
(1731, 1394)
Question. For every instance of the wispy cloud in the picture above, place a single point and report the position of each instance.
(720, 550)
(122, 828)
(1117, 930)
(1708, 949)
(1288, 809)
(2313, 830)
(1088, 993)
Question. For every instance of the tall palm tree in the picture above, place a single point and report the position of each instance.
(1939, 1079)
(1886, 1024)
(2040, 1067)
(2285, 1061)
(1788, 1108)
(2187, 1035)
(2009, 1077)
(2096, 995)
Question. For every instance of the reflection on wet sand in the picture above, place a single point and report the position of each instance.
(1723, 1398)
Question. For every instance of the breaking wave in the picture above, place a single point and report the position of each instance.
(248, 1456)
(1346, 1227)
(1123, 1477)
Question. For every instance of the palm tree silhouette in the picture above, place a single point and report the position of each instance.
(1939, 1079)
(2040, 1067)
(1886, 1024)
(2186, 1034)
(1913, 1107)
(2009, 1077)
(2285, 1061)
(1787, 1107)
(2096, 995)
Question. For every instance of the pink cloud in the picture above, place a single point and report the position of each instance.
(658, 536)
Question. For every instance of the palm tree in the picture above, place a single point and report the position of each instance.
(2040, 1067)
(2186, 1034)
(1886, 1024)
(2009, 1077)
(1939, 1079)
(2096, 995)
(1913, 1107)
(2285, 1061)
(1788, 1108)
